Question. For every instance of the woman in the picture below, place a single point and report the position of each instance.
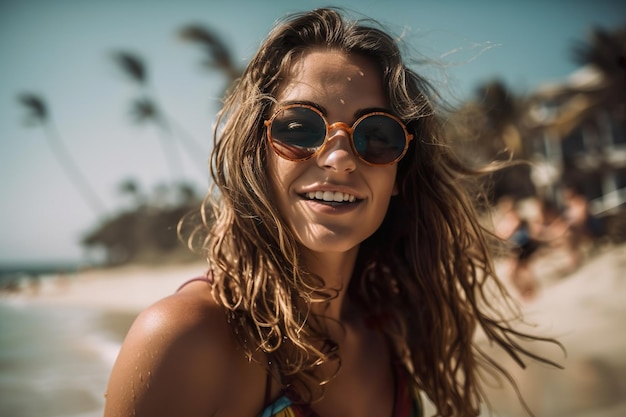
(346, 263)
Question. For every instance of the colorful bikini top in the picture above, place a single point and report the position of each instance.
(407, 402)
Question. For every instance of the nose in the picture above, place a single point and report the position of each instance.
(337, 154)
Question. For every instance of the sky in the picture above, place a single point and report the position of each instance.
(62, 50)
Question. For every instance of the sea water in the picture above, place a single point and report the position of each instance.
(55, 361)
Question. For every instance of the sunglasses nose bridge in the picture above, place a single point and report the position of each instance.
(340, 126)
(333, 143)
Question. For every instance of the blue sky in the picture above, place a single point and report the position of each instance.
(61, 50)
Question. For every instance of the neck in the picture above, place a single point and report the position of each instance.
(336, 270)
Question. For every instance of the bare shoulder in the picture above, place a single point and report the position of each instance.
(177, 359)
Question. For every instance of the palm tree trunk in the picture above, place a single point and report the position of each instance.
(71, 169)
(190, 145)
(170, 150)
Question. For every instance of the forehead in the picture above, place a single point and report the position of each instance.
(335, 79)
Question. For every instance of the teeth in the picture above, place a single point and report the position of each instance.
(336, 196)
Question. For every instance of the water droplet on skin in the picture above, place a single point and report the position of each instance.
(349, 78)
(342, 101)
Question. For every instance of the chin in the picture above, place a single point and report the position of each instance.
(331, 242)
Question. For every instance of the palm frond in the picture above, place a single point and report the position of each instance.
(129, 186)
(35, 106)
(498, 101)
(218, 53)
(131, 65)
(144, 109)
(604, 49)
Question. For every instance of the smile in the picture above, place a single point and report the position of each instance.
(330, 196)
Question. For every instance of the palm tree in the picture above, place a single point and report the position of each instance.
(39, 115)
(490, 127)
(145, 109)
(130, 188)
(503, 111)
(606, 52)
(218, 56)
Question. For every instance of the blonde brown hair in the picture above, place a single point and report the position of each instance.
(426, 271)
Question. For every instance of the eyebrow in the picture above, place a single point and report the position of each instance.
(322, 109)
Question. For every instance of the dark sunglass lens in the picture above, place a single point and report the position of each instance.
(297, 132)
(379, 139)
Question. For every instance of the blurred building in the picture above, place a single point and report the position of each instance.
(577, 135)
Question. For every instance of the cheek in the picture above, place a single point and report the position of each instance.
(283, 175)
(384, 187)
(277, 172)
(390, 181)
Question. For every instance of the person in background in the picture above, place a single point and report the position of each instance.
(523, 229)
(583, 226)
(347, 269)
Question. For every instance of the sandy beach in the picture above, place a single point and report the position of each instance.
(585, 310)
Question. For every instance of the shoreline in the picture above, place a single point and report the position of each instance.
(124, 289)
(61, 334)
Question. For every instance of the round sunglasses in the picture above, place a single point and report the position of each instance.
(298, 132)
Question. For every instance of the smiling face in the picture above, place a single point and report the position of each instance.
(333, 201)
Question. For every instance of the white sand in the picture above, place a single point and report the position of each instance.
(586, 311)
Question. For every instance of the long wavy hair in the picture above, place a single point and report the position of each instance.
(426, 274)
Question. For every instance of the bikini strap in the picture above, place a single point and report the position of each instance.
(274, 408)
(208, 278)
(268, 390)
